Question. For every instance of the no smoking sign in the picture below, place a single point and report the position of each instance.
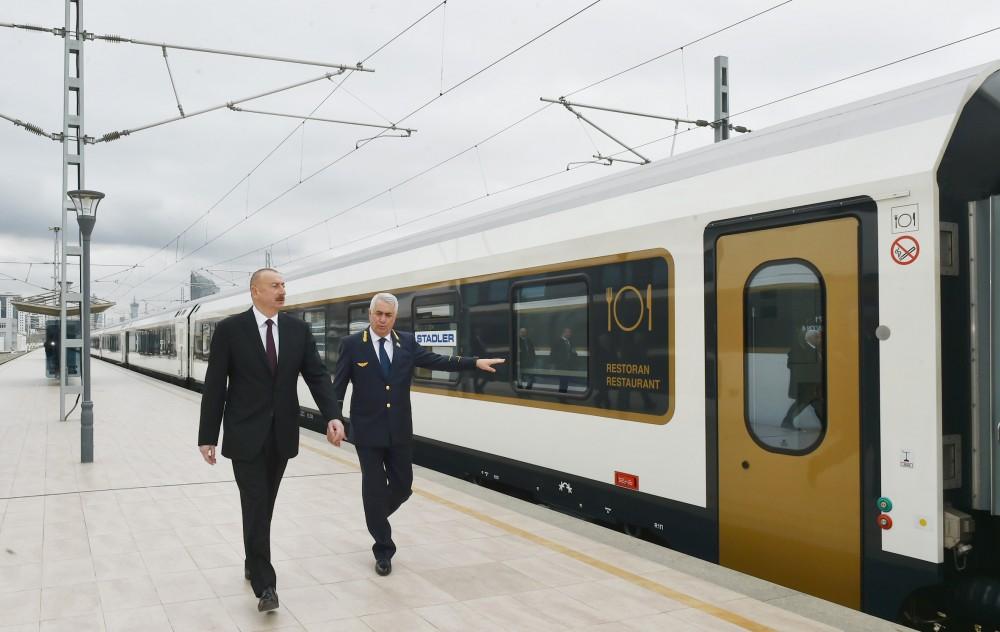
(905, 250)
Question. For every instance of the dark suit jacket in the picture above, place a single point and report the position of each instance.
(562, 354)
(253, 397)
(380, 408)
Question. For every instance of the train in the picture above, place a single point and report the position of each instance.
(775, 353)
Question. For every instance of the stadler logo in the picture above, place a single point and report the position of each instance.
(437, 338)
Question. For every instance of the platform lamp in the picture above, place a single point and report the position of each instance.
(85, 203)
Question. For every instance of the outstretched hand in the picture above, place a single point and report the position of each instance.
(486, 364)
(335, 431)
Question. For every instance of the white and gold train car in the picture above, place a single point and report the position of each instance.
(774, 353)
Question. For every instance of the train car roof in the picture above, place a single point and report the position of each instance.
(942, 98)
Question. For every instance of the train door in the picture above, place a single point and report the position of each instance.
(787, 312)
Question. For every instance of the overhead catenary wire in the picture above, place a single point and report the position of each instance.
(282, 142)
(119, 39)
(323, 120)
(462, 152)
(25, 282)
(357, 147)
(681, 47)
(499, 132)
(111, 136)
(638, 146)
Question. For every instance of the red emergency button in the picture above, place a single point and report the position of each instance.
(884, 522)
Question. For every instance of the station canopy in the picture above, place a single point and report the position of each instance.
(48, 304)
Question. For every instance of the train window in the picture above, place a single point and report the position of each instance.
(357, 318)
(785, 356)
(551, 325)
(201, 340)
(435, 324)
(316, 319)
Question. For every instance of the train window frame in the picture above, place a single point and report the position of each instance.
(821, 437)
(549, 280)
(366, 306)
(320, 338)
(456, 299)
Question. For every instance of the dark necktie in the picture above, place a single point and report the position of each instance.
(383, 358)
(272, 353)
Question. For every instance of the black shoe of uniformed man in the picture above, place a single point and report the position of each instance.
(268, 601)
(383, 567)
(246, 571)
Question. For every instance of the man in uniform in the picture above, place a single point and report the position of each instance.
(379, 363)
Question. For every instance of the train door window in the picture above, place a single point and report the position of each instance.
(315, 317)
(785, 356)
(357, 318)
(435, 326)
(551, 325)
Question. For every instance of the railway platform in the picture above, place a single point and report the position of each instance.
(148, 538)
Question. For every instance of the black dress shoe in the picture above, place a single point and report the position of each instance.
(268, 601)
(383, 567)
(246, 572)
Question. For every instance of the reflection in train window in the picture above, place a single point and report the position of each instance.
(785, 356)
(316, 319)
(551, 325)
(155, 342)
(437, 312)
(357, 318)
(202, 339)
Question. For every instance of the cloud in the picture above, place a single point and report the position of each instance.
(164, 179)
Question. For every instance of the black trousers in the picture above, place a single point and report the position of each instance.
(258, 480)
(386, 481)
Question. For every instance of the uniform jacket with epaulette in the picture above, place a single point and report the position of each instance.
(380, 408)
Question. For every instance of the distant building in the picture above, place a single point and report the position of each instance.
(133, 309)
(202, 286)
(12, 337)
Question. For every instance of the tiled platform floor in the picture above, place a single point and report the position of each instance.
(148, 538)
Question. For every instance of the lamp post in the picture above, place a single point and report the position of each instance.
(85, 202)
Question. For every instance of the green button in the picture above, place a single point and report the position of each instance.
(884, 505)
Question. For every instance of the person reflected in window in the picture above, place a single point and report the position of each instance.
(562, 357)
(805, 375)
(526, 358)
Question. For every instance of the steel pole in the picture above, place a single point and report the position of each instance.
(87, 410)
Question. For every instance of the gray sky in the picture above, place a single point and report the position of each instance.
(161, 180)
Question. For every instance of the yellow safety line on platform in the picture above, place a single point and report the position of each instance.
(638, 580)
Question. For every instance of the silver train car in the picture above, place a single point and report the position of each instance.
(775, 353)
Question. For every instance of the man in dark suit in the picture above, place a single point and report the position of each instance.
(525, 359)
(379, 363)
(563, 356)
(261, 354)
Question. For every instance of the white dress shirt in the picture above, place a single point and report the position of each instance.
(388, 343)
(262, 329)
